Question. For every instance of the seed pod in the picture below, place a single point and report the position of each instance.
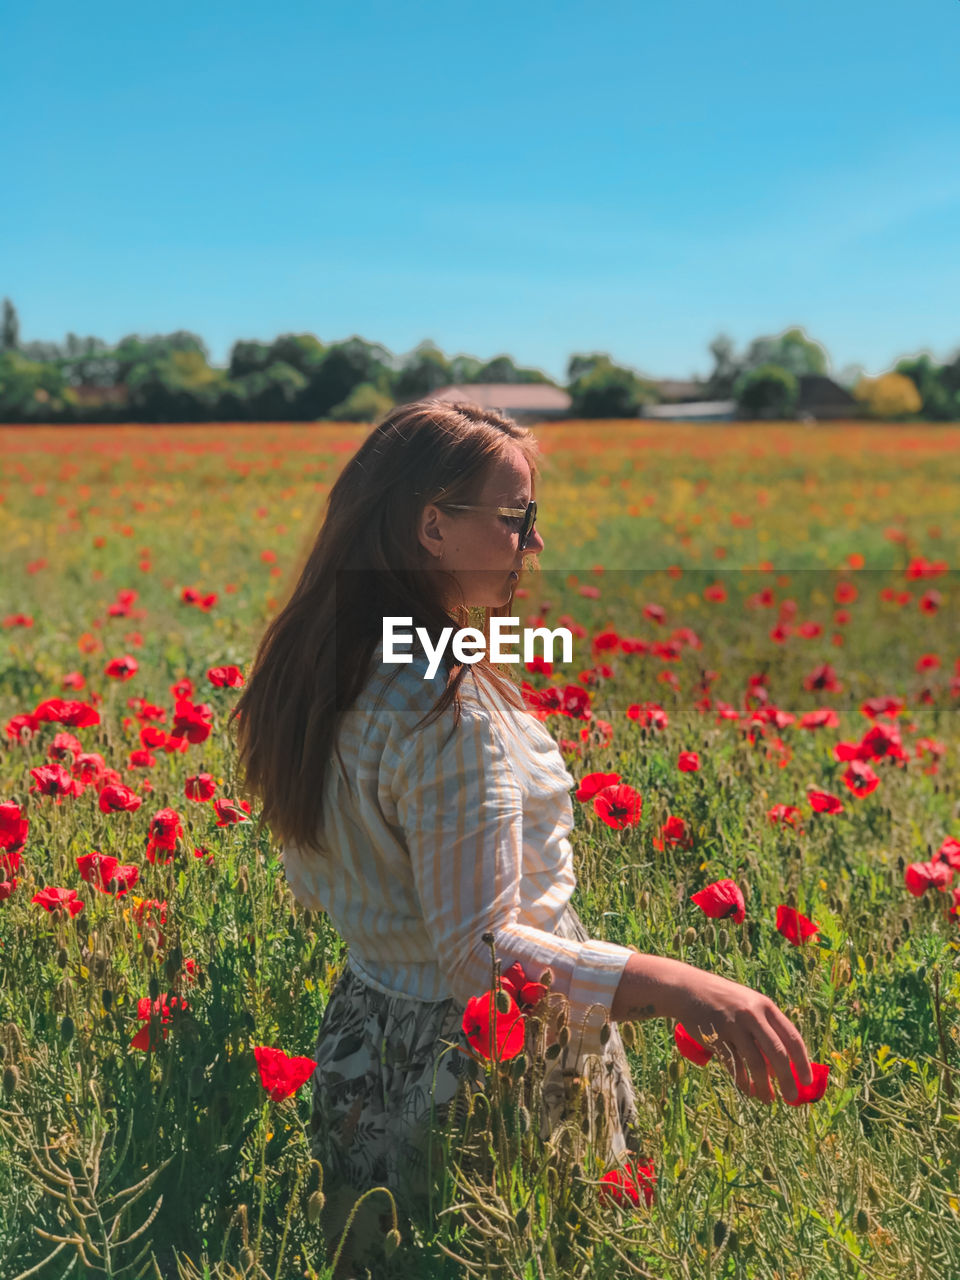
(869, 962)
(522, 1219)
(733, 1240)
(11, 1079)
(525, 1118)
(153, 987)
(315, 1203)
(546, 978)
(710, 935)
(391, 1242)
(174, 963)
(675, 945)
(3, 1051)
(552, 1052)
(628, 1034)
(106, 996)
(873, 1195)
(67, 1029)
(719, 1233)
(690, 937)
(99, 964)
(645, 899)
(247, 1260)
(149, 947)
(705, 1148)
(63, 958)
(723, 938)
(307, 919)
(605, 1032)
(518, 1067)
(673, 1071)
(863, 1221)
(768, 1175)
(503, 1002)
(563, 1039)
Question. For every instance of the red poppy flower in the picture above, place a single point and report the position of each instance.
(795, 927)
(484, 1025)
(674, 831)
(165, 828)
(721, 900)
(821, 718)
(63, 747)
(229, 814)
(648, 713)
(122, 668)
(688, 762)
(874, 707)
(594, 782)
(618, 806)
(6, 888)
(53, 898)
(810, 1092)
(628, 1182)
(117, 798)
(147, 1037)
(860, 778)
(824, 802)
(280, 1074)
(716, 592)
(516, 983)
(192, 721)
(575, 702)
(690, 1048)
(920, 876)
(200, 786)
(949, 852)
(102, 869)
(225, 676)
(14, 828)
(823, 677)
(53, 780)
(22, 727)
(90, 768)
(786, 815)
(77, 715)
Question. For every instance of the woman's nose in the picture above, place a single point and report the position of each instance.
(535, 542)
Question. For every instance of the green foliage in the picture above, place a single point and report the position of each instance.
(365, 403)
(767, 392)
(426, 369)
(606, 390)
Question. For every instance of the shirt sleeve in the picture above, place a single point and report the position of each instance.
(460, 807)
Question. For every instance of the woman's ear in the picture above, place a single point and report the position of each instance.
(429, 532)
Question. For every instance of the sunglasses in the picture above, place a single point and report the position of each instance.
(529, 516)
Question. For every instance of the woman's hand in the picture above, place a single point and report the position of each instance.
(753, 1038)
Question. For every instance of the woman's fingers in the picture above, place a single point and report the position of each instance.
(786, 1039)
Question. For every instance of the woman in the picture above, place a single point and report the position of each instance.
(425, 814)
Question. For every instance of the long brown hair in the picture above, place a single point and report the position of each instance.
(365, 563)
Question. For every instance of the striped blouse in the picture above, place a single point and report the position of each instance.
(432, 839)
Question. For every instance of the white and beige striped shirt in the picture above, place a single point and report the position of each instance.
(435, 842)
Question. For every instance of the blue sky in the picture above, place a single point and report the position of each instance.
(536, 178)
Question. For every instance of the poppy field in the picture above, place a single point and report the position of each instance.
(761, 721)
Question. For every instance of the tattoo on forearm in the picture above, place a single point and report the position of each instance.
(642, 1011)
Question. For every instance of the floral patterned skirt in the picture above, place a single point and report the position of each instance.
(385, 1080)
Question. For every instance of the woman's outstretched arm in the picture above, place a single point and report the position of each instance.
(755, 1039)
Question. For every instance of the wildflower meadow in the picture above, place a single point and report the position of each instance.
(761, 721)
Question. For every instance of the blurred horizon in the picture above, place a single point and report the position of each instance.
(533, 182)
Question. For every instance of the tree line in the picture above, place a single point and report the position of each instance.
(169, 378)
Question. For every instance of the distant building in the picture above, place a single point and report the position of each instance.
(678, 390)
(821, 397)
(692, 411)
(524, 401)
